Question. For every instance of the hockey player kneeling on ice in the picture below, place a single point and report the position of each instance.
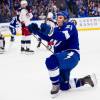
(65, 57)
(2, 44)
(25, 17)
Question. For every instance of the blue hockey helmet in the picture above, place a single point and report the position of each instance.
(63, 13)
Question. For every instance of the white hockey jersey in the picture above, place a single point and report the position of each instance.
(25, 17)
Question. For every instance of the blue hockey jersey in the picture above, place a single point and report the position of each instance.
(66, 37)
(14, 22)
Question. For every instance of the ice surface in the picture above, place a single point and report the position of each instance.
(25, 77)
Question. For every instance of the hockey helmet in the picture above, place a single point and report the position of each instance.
(24, 2)
(63, 13)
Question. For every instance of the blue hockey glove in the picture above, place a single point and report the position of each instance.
(45, 28)
(33, 28)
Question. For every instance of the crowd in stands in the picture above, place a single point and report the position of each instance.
(88, 8)
(40, 8)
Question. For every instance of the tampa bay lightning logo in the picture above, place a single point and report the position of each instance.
(58, 43)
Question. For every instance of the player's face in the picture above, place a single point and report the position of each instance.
(23, 5)
(60, 20)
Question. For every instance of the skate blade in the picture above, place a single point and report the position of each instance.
(29, 53)
(94, 79)
(55, 95)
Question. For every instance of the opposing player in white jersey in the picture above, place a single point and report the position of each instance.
(25, 17)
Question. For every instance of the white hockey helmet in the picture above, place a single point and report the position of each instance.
(24, 2)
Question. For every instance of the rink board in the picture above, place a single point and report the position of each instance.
(83, 24)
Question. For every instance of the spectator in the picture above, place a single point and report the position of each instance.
(99, 9)
(82, 12)
(76, 8)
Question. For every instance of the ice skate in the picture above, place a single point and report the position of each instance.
(28, 51)
(55, 90)
(39, 44)
(22, 50)
(2, 50)
(90, 79)
(12, 39)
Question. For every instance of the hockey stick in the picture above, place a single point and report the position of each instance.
(43, 44)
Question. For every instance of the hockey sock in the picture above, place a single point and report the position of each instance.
(23, 44)
(75, 83)
(54, 76)
(28, 43)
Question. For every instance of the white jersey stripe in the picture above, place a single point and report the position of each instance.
(54, 73)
